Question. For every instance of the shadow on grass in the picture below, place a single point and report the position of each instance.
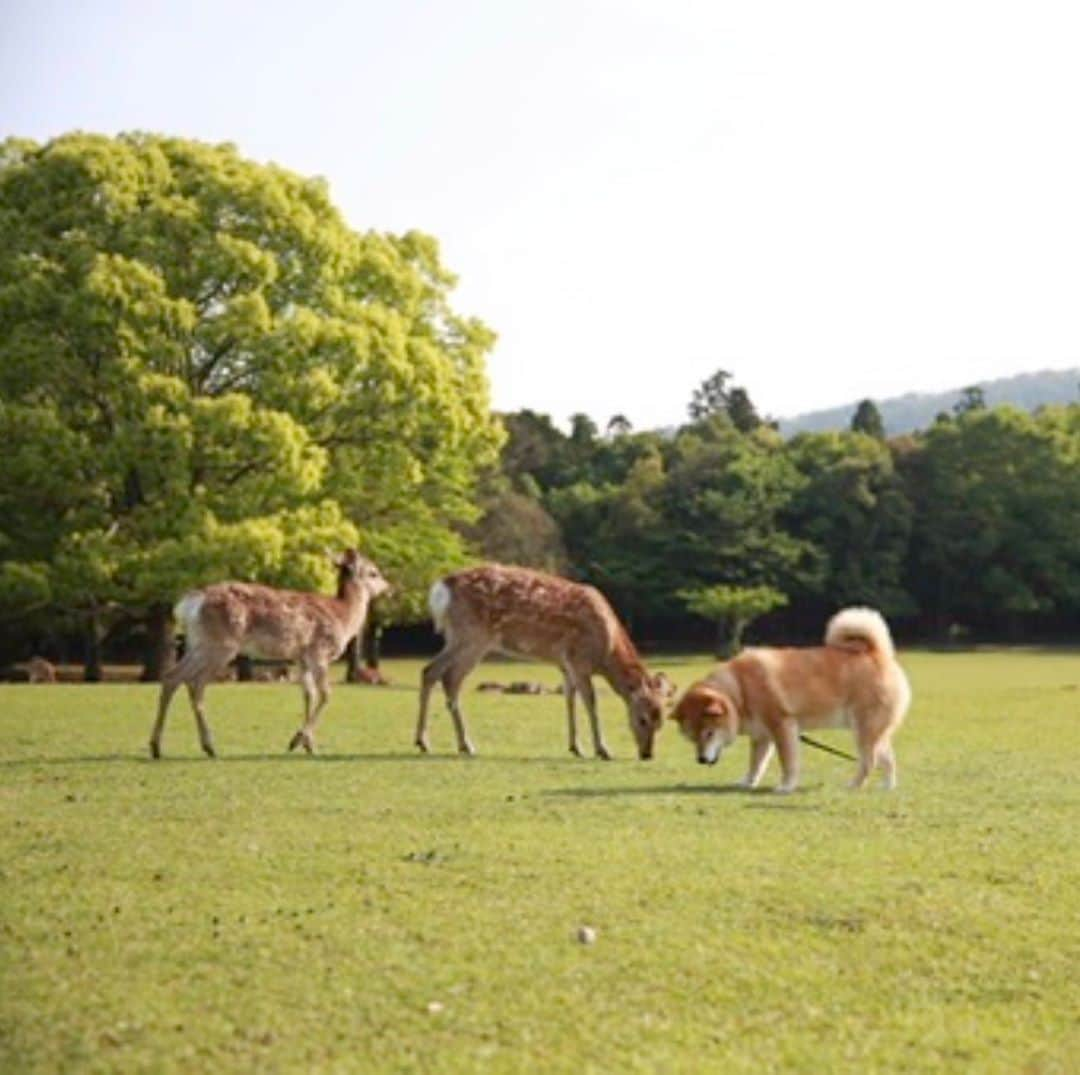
(400, 757)
(762, 798)
(286, 757)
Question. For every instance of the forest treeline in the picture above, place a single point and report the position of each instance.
(964, 530)
(206, 373)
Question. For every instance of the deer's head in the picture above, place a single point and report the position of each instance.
(359, 569)
(647, 705)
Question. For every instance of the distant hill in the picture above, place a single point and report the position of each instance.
(917, 410)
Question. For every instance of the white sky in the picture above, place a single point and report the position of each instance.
(832, 200)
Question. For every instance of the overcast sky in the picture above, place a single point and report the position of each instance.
(831, 200)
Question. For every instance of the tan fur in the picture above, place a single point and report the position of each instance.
(517, 610)
(772, 694)
(231, 618)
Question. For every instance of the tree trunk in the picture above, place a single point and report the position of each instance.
(158, 652)
(941, 611)
(245, 669)
(720, 646)
(737, 627)
(729, 638)
(363, 652)
(372, 643)
(92, 672)
(353, 663)
(1015, 627)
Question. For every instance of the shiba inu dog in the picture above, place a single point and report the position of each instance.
(773, 694)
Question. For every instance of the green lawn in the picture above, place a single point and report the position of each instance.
(370, 910)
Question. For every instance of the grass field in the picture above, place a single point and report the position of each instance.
(370, 910)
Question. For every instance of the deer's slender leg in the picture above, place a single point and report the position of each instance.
(315, 699)
(196, 688)
(170, 682)
(584, 687)
(432, 673)
(453, 677)
(205, 667)
(571, 712)
(308, 686)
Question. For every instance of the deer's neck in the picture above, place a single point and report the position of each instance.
(353, 599)
(624, 670)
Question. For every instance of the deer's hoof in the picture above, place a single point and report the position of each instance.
(295, 741)
(422, 746)
(604, 754)
(208, 749)
(467, 749)
(576, 751)
(155, 750)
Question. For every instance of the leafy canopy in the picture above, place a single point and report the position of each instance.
(205, 372)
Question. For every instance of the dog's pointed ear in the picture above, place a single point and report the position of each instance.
(717, 706)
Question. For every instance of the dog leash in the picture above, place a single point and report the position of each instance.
(828, 749)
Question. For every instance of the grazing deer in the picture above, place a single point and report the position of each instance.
(230, 618)
(536, 615)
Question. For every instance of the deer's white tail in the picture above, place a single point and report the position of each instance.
(187, 608)
(186, 613)
(860, 629)
(439, 599)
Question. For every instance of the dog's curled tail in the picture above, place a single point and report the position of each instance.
(439, 599)
(860, 630)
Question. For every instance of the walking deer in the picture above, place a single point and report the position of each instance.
(526, 612)
(231, 618)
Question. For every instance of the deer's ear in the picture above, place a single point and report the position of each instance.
(334, 558)
(661, 682)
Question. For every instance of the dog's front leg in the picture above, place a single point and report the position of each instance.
(761, 749)
(787, 746)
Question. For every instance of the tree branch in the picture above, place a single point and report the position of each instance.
(202, 374)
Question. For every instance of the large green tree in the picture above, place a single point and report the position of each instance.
(206, 372)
